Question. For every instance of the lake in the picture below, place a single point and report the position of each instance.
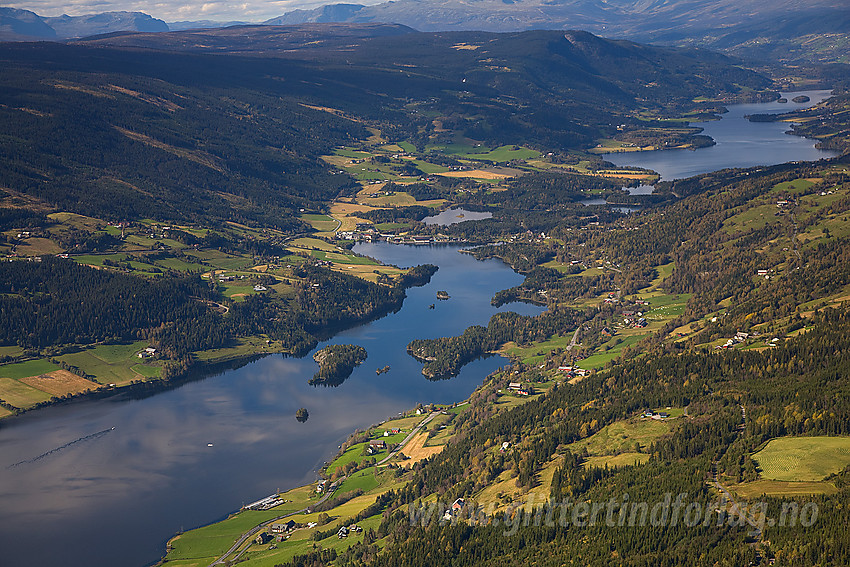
(456, 215)
(75, 492)
(740, 143)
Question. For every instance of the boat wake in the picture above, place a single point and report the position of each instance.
(61, 447)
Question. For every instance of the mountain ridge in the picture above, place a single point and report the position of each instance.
(25, 25)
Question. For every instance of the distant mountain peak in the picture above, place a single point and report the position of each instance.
(105, 22)
(17, 25)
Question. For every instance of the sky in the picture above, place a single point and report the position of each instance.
(174, 11)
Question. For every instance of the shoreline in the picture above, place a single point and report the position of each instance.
(323, 474)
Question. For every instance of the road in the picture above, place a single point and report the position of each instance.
(250, 533)
(734, 507)
(575, 337)
(410, 436)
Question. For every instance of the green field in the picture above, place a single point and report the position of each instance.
(534, 353)
(213, 540)
(146, 370)
(621, 436)
(391, 226)
(28, 368)
(803, 458)
(363, 480)
(322, 223)
(344, 258)
(599, 359)
(240, 348)
(792, 187)
(11, 351)
(667, 306)
(353, 453)
(112, 364)
(782, 489)
(178, 264)
(504, 154)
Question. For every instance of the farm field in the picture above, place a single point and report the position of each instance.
(322, 223)
(112, 364)
(213, 540)
(29, 368)
(622, 436)
(416, 450)
(599, 359)
(60, 383)
(782, 489)
(534, 353)
(803, 458)
(20, 395)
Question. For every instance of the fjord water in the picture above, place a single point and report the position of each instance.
(739, 142)
(76, 492)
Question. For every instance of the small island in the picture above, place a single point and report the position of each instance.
(380, 371)
(442, 294)
(800, 99)
(302, 415)
(336, 363)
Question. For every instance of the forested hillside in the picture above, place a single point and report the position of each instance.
(155, 133)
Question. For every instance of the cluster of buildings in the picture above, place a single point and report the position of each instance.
(376, 446)
(574, 371)
(372, 235)
(146, 353)
(265, 503)
(520, 388)
(736, 340)
(455, 509)
(632, 319)
(658, 415)
(345, 531)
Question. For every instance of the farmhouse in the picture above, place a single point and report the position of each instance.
(282, 527)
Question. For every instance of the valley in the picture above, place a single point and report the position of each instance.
(184, 248)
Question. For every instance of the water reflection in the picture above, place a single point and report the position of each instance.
(740, 143)
(456, 215)
(114, 499)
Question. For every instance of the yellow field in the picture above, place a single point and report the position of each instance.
(37, 247)
(476, 173)
(60, 383)
(20, 395)
(367, 272)
(341, 210)
(417, 451)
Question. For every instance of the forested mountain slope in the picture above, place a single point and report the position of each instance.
(159, 133)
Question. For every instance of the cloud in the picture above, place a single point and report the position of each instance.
(224, 10)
